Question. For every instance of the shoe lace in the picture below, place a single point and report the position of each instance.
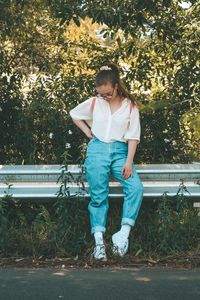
(118, 249)
(101, 248)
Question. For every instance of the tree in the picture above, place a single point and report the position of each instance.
(52, 51)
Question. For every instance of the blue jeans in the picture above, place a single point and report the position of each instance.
(102, 159)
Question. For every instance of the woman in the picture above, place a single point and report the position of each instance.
(114, 135)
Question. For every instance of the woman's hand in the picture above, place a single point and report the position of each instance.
(126, 170)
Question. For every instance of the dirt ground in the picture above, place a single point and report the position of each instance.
(179, 262)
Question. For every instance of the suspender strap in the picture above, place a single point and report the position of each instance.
(93, 103)
(131, 107)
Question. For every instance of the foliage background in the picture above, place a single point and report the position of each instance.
(50, 52)
(164, 228)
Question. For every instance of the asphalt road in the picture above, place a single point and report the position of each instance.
(99, 284)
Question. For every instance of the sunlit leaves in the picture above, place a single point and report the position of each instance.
(59, 46)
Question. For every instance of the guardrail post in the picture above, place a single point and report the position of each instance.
(196, 205)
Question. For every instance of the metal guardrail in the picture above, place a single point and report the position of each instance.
(40, 181)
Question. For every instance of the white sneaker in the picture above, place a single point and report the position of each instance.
(120, 244)
(99, 252)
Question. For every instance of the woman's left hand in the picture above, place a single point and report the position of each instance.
(126, 170)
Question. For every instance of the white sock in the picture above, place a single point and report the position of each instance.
(98, 236)
(125, 231)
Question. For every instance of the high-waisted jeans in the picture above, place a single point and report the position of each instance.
(102, 159)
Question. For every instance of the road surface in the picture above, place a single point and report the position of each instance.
(99, 284)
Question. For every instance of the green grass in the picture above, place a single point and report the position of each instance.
(168, 226)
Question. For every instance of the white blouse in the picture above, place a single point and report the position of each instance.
(122, 125)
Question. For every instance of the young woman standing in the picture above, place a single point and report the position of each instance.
(114, 135)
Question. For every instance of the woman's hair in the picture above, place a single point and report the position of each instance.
(110, 73)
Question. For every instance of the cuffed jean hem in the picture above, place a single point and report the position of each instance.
(127, 221)
(98, 229)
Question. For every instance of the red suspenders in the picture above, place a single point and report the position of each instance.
(93, 103)
(131, 107)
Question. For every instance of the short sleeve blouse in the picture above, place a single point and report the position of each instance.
(121, 125)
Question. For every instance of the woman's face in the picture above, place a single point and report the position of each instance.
(107, 91)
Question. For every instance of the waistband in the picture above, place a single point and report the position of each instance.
(122, 144)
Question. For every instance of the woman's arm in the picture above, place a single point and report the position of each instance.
(127, 168)
(133, 138)
(80, 113)
(81, 124)
(132, 146)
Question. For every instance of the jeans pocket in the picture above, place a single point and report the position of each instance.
(92, 140)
